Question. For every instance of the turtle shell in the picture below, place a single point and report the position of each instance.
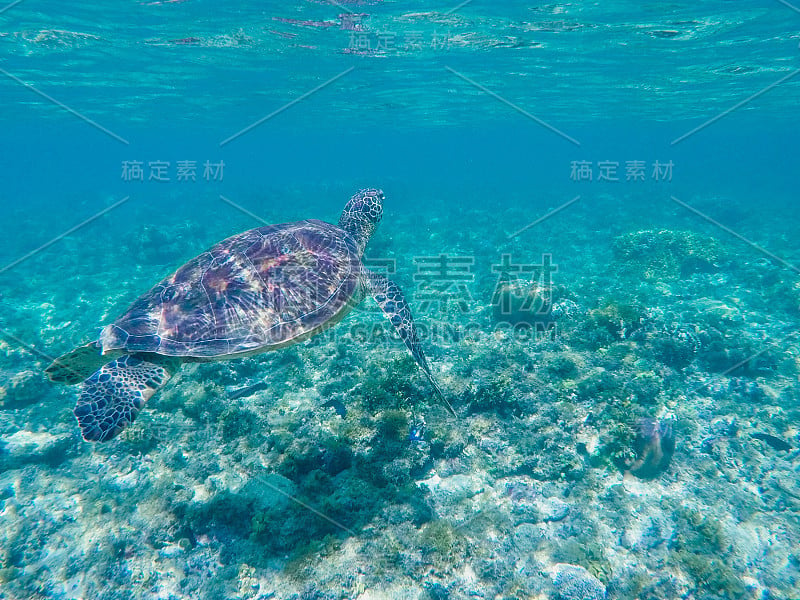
(255, 291)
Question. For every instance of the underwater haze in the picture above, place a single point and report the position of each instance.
(591, 209)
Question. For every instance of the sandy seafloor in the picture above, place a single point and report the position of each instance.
(526, 495)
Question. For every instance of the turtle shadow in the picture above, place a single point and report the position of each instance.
(312, 503)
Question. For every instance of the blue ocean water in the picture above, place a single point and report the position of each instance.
(644, 447)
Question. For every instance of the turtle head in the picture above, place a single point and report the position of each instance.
(362, 214)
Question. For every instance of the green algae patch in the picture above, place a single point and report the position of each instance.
(236, 422)
(702, 549)
(389, 386)
(8, 574)
(666, 254)
(644, 387)
(701, 532)
(441, 541)
(615, 447)
(393, 425)
(586, 553)
(306, 556)
(496, 395)
(711, 574)
(611, 322)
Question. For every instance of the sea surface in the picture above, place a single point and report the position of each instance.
(592, 209)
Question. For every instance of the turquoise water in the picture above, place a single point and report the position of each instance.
(592, 211)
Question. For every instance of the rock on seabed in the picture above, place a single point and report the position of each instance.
(576, 583)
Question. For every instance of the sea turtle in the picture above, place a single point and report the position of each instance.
(260, 290)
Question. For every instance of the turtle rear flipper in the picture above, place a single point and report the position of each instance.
(113, 396)
(78, 364)
(390, 298)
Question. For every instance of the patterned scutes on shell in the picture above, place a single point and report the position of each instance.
(252, 291)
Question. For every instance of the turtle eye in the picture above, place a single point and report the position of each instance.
(169, 294)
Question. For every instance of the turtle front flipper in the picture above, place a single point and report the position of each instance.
(390, 298)
(78, 364)
(112, 397)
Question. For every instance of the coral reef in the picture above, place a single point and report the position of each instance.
(668, 254)
(329, 470)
